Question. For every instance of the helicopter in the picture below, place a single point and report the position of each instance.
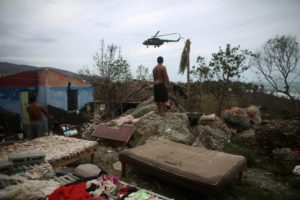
(156, 41)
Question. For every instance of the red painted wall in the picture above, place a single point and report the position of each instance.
(28, 78)
(53, 78)
(40, 78)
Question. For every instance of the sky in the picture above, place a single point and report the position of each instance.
(66, 34)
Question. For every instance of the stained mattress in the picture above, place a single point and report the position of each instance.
(197, 168)
(55, 147)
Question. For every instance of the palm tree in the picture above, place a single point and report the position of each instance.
(185, 65)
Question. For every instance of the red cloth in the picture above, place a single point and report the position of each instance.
(73, 192)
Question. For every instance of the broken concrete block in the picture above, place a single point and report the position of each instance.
(5, 164)
(26, 158)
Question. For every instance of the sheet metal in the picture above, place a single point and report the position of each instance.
(121, 134)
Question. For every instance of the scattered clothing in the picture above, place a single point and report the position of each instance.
(139, 195)
(73, 192)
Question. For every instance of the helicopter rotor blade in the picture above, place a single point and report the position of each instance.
(136, 34)
(156, 34)
(168, 34)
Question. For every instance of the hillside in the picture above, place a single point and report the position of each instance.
(11, 68)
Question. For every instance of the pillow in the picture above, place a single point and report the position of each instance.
(87, 170)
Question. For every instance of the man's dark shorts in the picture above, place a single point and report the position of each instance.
(160, 93)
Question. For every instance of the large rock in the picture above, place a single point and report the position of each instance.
(144, 108)
(247, 138)
(172, 126)
(149, 105)
(278, 134)
(212, 134)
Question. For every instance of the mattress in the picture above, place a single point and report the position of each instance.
(197, 168)
(55, 148)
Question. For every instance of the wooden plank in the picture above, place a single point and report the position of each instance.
(121, 134)
(60, 163)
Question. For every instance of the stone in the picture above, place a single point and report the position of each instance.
(213, 135)
(247, 137)
(117, 166)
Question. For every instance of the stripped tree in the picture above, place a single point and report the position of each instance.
(277, 62)
(109, 73)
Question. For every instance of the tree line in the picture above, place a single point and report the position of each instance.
(276, 62)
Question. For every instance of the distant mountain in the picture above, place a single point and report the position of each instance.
(10, 68)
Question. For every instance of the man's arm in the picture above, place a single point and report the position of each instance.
(166, 77)
(45, 111)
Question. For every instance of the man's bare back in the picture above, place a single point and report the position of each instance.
(36, 111)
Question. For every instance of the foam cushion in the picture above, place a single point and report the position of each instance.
(87, 170)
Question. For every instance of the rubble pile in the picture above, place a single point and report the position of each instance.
(87, 130)
(278, 134)
(172, 126)
(242, 118)
(149, 105)
(212, 134)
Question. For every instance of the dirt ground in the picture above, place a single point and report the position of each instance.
(259, 184)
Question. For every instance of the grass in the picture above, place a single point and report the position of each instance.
(252, 191)
(256, 159)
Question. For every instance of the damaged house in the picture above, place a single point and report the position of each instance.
(59, 92)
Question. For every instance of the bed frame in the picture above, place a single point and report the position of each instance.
(196, 168)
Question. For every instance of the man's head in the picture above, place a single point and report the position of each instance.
(160, 60)
(32, 98)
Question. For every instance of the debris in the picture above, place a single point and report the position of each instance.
(296, 170)
(241, 118)
(128, 119)
(29, 189)
(117, 166)
(26, 158)
(278, 134)
(54, 147)
(212, 134)
(121, 134)
(5, 164)
(66, 179)
(173, 126)
(38, 171)
(286, 157)
(208, 117)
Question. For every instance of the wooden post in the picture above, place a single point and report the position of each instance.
(123, 169)
(241, 177)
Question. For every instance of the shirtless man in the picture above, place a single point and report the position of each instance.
(36, 112)
(161, 82)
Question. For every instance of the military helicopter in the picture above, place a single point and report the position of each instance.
(156, 41)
